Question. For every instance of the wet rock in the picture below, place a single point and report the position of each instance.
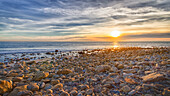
(153, 77)
(40, 75)
(25, 93)
(33, 87)
(103, 68)
(56, 51)
(5, 86)
(64, 71)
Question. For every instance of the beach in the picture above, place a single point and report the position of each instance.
(118, 71)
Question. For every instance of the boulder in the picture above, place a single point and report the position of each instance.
(54, 81)
(33, 87)
(64, 71)
(153, 77)
(17, 89)
(40, 75)
(58, 86)
(5, 86)
(64, 93)
(31, 62)
(12, 74)
(25, 93)
(17, 79)
(103, 68)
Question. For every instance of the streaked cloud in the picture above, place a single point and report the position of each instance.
(53, 19)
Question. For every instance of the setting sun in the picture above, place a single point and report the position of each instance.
(115, 33)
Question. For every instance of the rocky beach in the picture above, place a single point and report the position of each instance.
(124, 71)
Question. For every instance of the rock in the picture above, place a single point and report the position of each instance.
(153, 77)
(56, 51)
(126, 88)
(89, 92)
(54, 81)
(12, 74)
(148, 86)
(64, 71)
(5, 86)
(31, 62)
(3, 72)
(164, 63)
(48, 86)
(73, 93)
(120, 66)
(40, 75)
(78, 70)
(64, 93)
(166, 92)
(49, 91)
(103, 68)
(17, 79)
(33, 87)
(17, 66)
(25, 93)
(132, 92)
(58, 86)
(2, 66)
(113, 74)
(18, 89)
(84, 87)
(41, 85)
(130, 81)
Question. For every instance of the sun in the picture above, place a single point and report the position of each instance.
(115, 33)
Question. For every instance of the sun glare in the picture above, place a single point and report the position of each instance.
(115, 33)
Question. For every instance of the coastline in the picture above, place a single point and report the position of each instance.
(110, 71)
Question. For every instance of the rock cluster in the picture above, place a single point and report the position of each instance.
(130, 71)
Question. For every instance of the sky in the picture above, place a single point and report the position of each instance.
(84, 20)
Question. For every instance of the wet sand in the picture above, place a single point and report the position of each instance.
(101, 72)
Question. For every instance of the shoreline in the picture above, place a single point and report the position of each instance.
(109, 71)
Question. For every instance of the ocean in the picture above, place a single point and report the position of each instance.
(35, 47)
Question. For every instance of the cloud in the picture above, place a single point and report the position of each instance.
(79, 17)
(148, 35)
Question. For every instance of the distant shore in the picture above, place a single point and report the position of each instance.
(110, 71)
